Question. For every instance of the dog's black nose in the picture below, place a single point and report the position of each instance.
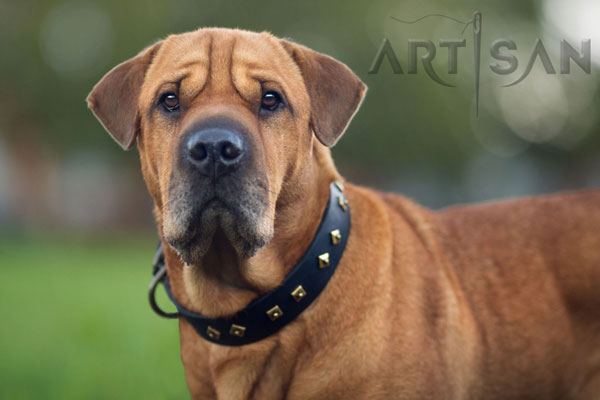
(215, 151)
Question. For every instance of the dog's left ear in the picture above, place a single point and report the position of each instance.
(335, 91)
(114, 100)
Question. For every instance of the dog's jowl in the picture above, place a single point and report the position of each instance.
(292, 284)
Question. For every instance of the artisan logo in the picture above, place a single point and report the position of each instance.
(504, 62)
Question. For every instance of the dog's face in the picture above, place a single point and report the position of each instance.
(222, 119)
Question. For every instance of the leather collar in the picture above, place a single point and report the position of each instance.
(272, 311)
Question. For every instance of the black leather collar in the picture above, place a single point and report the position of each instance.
(272, 311)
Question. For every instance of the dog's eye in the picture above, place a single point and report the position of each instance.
(170, 101)
(270, 101)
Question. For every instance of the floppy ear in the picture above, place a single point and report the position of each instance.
(335, 91)
(114, 99)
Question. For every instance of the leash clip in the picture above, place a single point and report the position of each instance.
(159, 272)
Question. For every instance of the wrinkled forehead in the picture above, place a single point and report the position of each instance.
(222, 60)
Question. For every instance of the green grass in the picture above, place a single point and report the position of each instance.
(75, 323)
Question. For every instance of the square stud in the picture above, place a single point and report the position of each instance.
(237, 330)
(343, 203)
(299, 293)
(213, 333)
(336, 236)
(339, 185)
(274, 313)
(324, 260)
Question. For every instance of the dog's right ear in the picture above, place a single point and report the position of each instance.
(114, 99)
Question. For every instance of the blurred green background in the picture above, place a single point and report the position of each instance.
(76, 231)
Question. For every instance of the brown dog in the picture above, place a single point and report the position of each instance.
(498, 301)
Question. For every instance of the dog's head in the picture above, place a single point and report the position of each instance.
(222, 118)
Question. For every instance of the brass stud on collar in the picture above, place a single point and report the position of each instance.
(336, 236)
(299, 293)
(339, 185)
(324, 260)
(274, 313)
(213, 333)
(343, 202)
(237, 330)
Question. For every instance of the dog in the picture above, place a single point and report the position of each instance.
(492, 301)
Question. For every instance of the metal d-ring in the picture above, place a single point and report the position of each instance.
(158, 277)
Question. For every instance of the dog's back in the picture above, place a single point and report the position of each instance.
(530, 269)
(527, 272)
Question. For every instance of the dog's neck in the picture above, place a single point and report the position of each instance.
(222, 282)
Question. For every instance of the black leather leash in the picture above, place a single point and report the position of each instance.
(272, 311)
